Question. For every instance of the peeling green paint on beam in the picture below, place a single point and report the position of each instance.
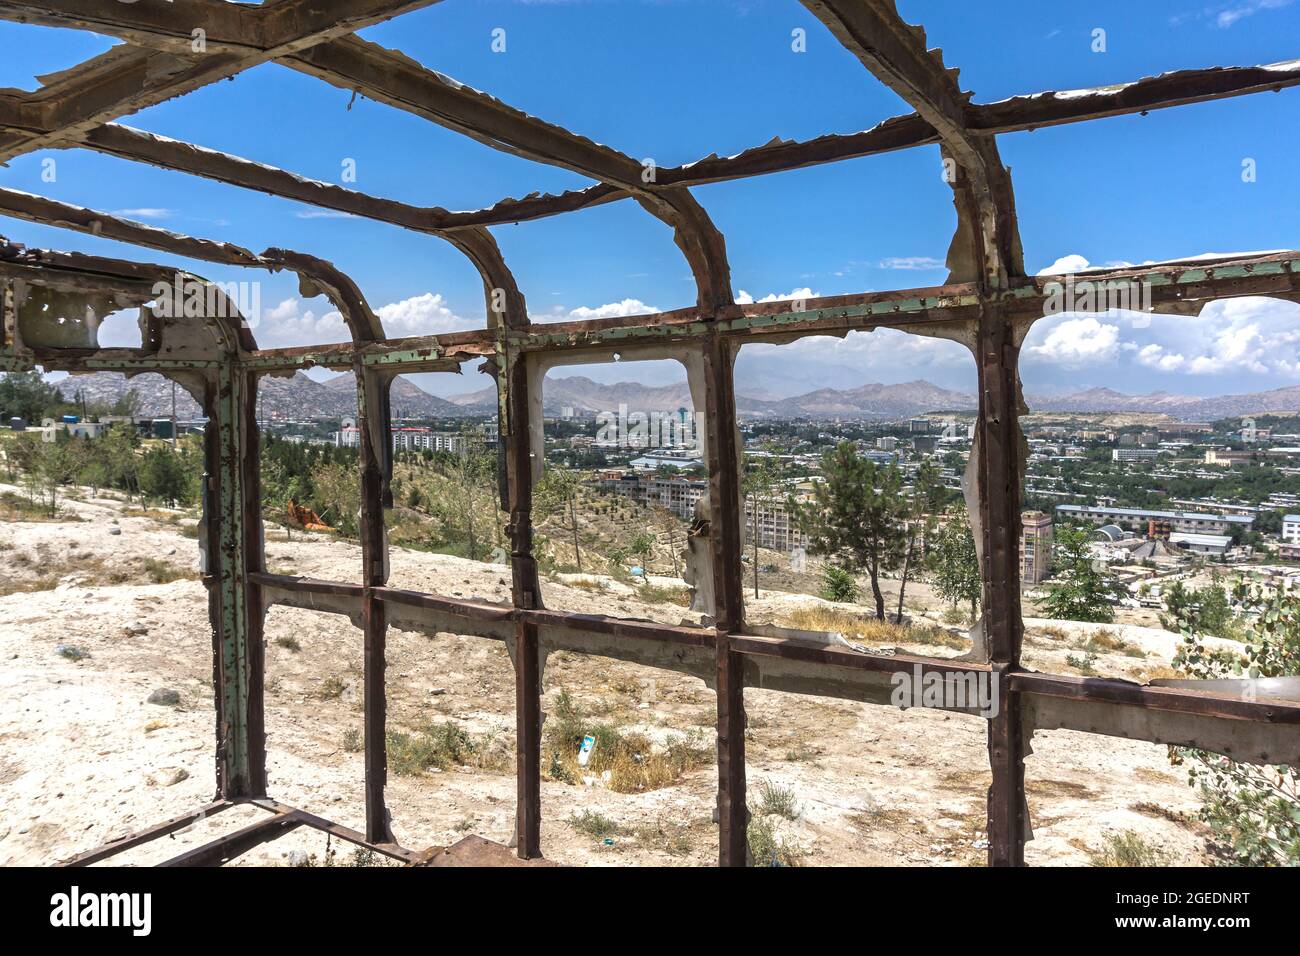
(412, 357)
(234, 636)
(150, 364)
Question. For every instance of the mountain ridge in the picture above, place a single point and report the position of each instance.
(300, 396)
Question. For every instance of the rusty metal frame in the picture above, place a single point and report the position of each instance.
(987, 304)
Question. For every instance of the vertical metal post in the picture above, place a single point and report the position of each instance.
(516, 449)
(1000, 469)
(725, 536)
(230, 497)
(373, 421)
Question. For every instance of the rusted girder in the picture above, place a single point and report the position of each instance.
(895, 53)
(986, 250)
(316, 276)
(394, 79)
(1175, 288)
(388, 77)
(173, 56)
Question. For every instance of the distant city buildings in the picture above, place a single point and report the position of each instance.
(1134, 454)
(776, 525)
(407, 439)
(1036, 539)
(1135, 518)
(1226, 458)
(674, 460)
(1291, 529)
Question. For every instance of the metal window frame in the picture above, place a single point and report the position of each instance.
(988, 304)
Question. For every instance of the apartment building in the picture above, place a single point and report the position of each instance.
(1036, 539)
(407, 439)
(1134, 454)
(1137, 519)
(776, 526)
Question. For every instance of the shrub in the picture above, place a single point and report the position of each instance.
(768, 848)
(839, 585)
(593, 824)
(775, 800)
(1128, 848)
(1253, 811)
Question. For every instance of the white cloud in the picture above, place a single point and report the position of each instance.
(744, 298)
(1249, 343)
(146, 212)
(1249, 8)
(420, 315)
(612, 310)
(912, 263)
(1066, 265)
(1074, 343)
(289, 323)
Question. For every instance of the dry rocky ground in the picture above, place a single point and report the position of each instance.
(86, 758)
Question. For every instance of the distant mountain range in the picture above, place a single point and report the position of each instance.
(301, 397)
(294, 397)
(1188, 408)
(867, 401)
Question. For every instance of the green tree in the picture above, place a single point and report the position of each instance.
(1202, 610)
(759, 486)
(642, 545)
(856, 516)
(337, 495)
(57, 463)
(954, 565)
(163, 476)
(839, 585)
(28, 396)
(117, 449)
(1079, 589)
(557, 494)
(1253, 811)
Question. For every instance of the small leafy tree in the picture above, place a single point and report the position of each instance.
(1080, 590)
(28, 396)
(839, 585)
(556, 494)
(759, 485)
(856, 517)
(337, 495)
(1202, 610)
(1253, 811)
(57, 463)
(642, 545)
(163, 476)
(954, 565)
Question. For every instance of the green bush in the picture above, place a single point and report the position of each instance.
(1253, 811)
(839, 585)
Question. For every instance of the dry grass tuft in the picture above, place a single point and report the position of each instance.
(634, 763)
(868, 630)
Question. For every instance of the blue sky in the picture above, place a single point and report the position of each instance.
(675, 81)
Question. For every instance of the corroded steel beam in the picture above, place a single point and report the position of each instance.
(726, 540)
(394, 79)
(173, 55)
(316, 276)
(1176, 288)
